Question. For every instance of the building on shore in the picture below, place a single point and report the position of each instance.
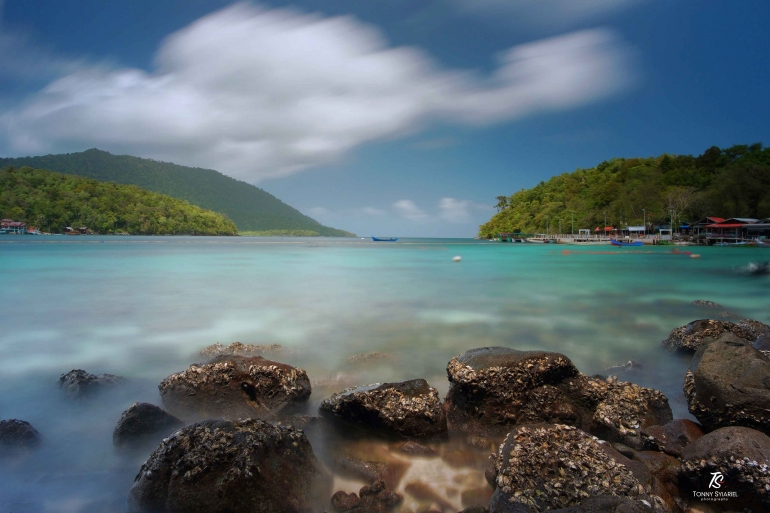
(14, 227)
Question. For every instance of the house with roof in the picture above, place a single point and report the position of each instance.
(15, 227)
(759, 230)
(729, 230)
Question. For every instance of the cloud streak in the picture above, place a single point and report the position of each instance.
(261, 94)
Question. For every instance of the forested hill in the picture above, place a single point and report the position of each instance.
(251, 208)
(732, 182)
(52, 201)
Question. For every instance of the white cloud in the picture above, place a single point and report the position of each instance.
(261, 93)
(543, 13)
(459, 211)
(374, 211)
(409, 210)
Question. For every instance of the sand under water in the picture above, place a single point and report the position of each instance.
(144, 307)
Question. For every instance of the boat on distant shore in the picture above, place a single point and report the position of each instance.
(615, 242)
(384, 239)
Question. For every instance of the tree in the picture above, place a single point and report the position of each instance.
(502, 203)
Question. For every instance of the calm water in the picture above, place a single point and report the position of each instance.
(142, 307)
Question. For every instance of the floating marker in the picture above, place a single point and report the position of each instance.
(695, 255)
(456, 259)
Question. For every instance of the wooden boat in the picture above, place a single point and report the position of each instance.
(384, 239)
(619, 243)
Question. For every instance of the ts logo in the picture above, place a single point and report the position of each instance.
(716, 480)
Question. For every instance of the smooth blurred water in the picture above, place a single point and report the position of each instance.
(143, 307)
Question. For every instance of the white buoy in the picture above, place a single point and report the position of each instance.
(456, 259)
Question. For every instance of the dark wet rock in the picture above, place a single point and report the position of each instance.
(494, 389)
(408, 409)
(374, 498)
(706, 304)
(78, 383)
(608, 504)
(475, 509)
(762, 344)
(141, 424)
(545, 467)
(424, 492)
(476, 497)
(728, 384)
(232, 387)
(630, 365)
(691, 337)
(17, 436)
(671, 438)
(375, 356)
(219, 466)
(239, 349)
(412, 448)
(741, 455)
(664, 471)
(623, 449)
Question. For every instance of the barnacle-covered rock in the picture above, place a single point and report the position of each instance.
(691, 337)
(608, 504)
(17, 436)
(78, 383)
(219, 466)
(493, 389)
(143, 423)
(231, 387)
(241, 349)
(408, 409)
(728, 384)
(737, 459)
(546, 467)
(672, 437)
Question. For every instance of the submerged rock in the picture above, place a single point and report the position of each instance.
(691, 337)
(17, 436)
(738, 459)
(143, 423)
(218, 466)
(408, 409)
(78, 383)
(706, 304)
(671, 438)
(494, 389)
(233, 387)
(545, 467)
(728, 384)
(374, 498)
(240, 349)
(369, 357)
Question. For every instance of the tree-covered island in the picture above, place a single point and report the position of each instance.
(53, 201)
(732, 182)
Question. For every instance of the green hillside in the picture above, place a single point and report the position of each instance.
(52, 201)
(251, 208)
(734, 182)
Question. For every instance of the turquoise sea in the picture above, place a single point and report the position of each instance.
(143, 307)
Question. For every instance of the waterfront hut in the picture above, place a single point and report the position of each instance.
(636, 231)
(729, 230)
(759, 230)
(16, 227)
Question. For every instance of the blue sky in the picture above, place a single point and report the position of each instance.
(387, 117)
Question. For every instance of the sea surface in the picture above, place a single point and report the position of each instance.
(143, 308)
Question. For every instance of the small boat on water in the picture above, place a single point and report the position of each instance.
(620, 243)
(763, 244)
(384, 239)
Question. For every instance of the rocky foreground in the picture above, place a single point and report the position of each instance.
(564, 441)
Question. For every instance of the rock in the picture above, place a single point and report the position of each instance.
(231, 387)
(630, 365)
(607, 504)
(741, 456)
(671, 438)
(544, 467)
(664, 470)
(17, 436)
(219, 466)
(369, 357)
(373, 499)
(143, 423)
(475, 509)
(409, 409)
(78, 383)
(706, 304)
(239, 349)
(728, 384)
(762, 344)
(412, 448)
(494, 389)
(691, 337)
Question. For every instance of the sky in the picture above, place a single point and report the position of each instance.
(384, 117)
